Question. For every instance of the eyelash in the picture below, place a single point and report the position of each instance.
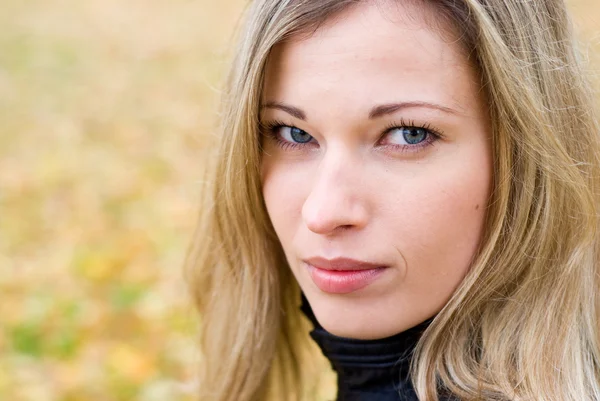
(270, 129)
(433, 135)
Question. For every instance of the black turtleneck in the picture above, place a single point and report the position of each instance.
(369, 370)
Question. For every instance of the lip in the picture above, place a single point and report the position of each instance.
(341, 264)
(342, 275)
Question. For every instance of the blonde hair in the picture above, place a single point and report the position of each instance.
(524, 323)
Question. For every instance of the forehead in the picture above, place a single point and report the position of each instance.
(380, 50)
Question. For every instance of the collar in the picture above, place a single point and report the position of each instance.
(373, 370)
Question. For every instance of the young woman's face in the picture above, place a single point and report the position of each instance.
(376, 168)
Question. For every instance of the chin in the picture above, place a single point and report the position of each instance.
(359, 332)
(361, 320)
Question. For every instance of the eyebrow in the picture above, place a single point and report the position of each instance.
(294, 111)
(376, 112)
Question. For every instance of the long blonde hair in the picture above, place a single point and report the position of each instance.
(524, 323)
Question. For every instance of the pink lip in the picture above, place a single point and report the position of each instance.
(342, 275)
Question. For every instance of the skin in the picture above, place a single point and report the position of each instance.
(360, 190)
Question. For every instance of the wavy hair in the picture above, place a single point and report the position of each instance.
(524, 323)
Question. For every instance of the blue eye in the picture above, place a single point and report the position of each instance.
(293, 134)
(408, 135)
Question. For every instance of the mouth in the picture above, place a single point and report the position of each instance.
(342, 275)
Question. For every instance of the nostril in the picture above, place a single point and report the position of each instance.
(335, 203)
(325, 217)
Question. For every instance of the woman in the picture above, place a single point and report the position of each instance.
(425, 175)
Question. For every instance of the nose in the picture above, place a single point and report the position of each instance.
(338, 199)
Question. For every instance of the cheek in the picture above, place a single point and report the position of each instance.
(283, 190)
(438, 223)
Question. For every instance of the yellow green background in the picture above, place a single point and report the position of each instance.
(106, 108)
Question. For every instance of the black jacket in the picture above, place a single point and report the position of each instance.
(369, 370)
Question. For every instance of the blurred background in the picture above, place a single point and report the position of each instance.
(106, 107)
